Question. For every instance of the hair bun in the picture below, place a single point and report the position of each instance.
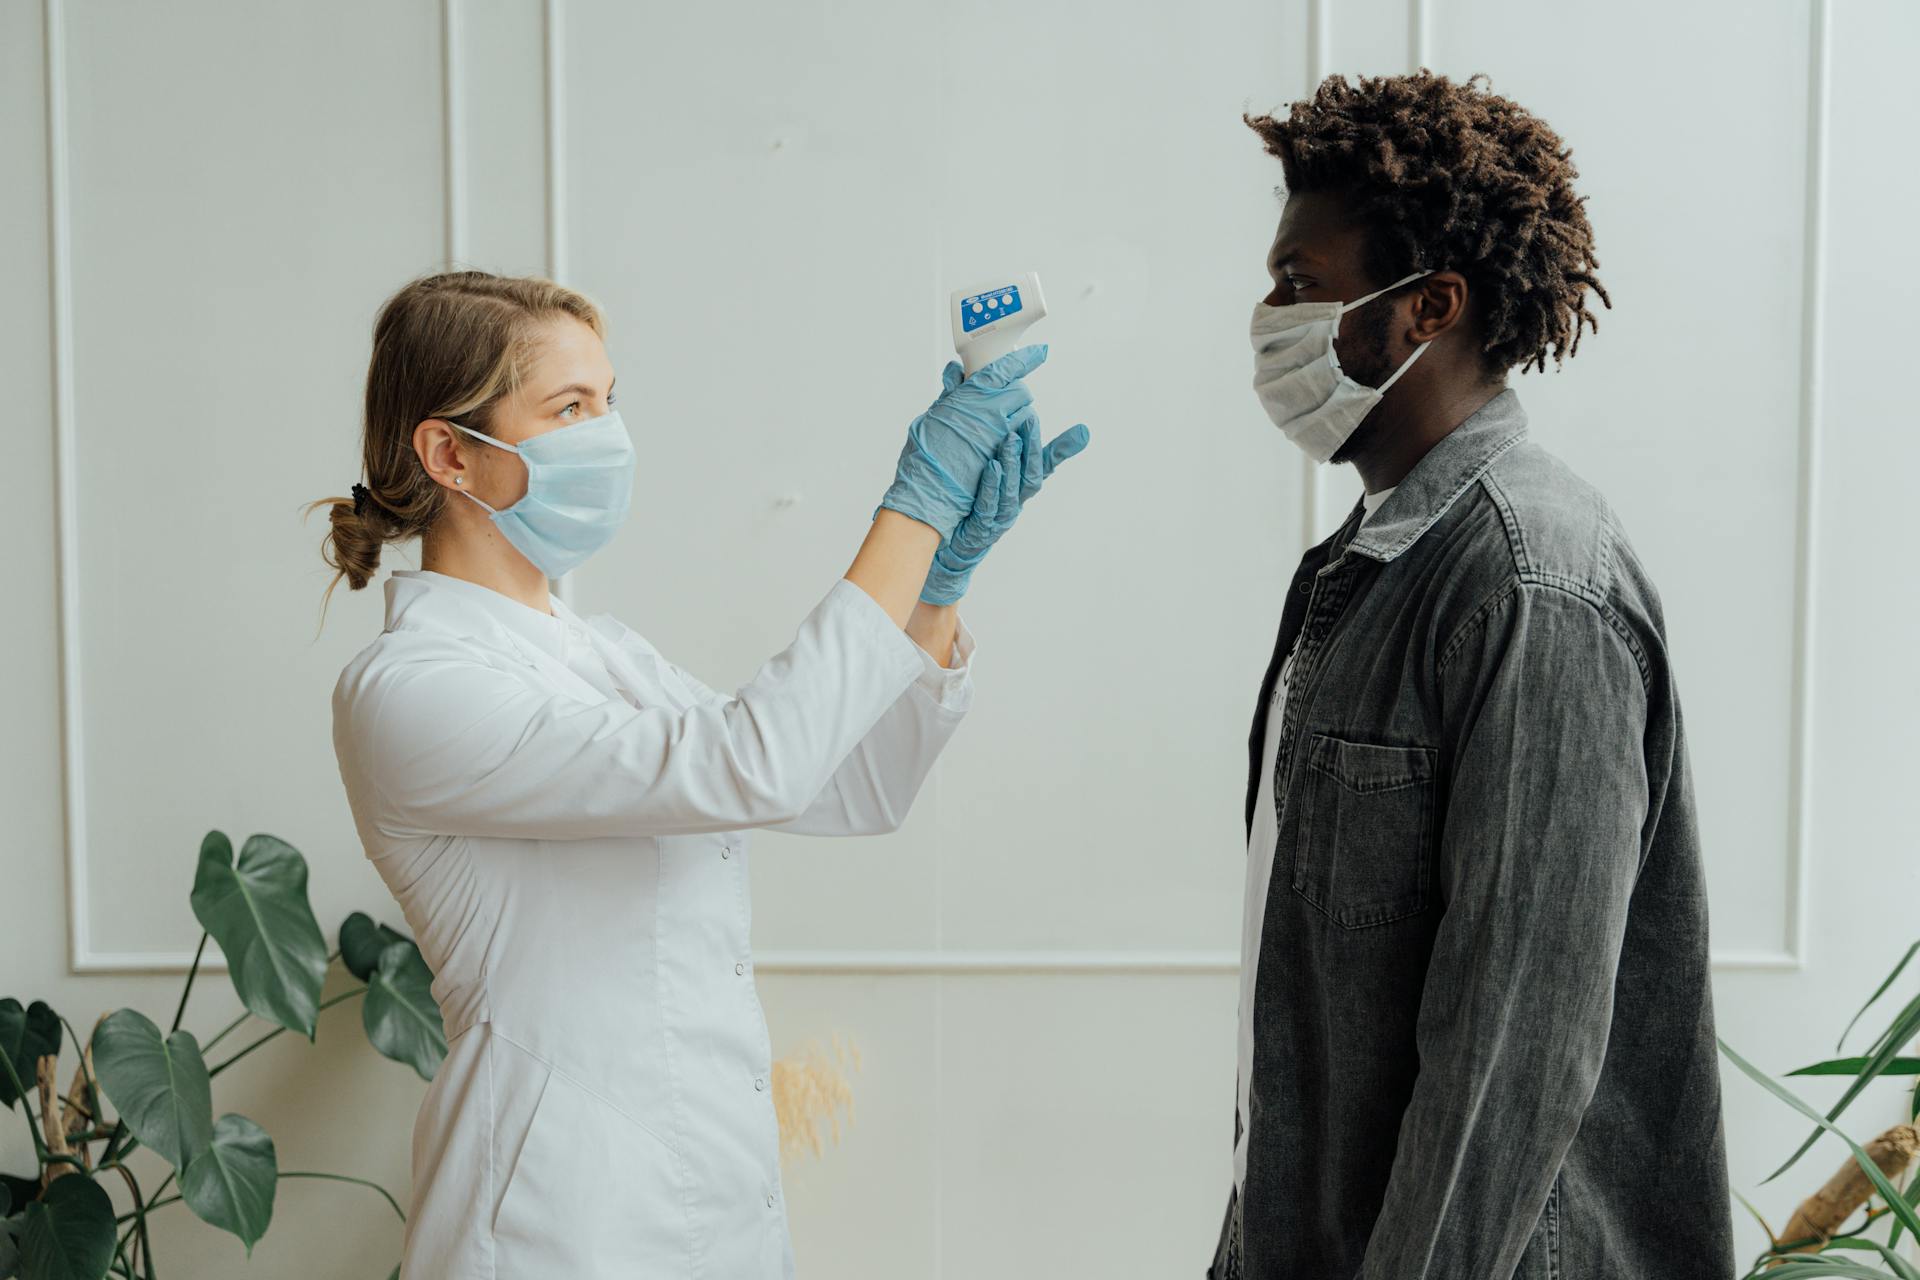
(360, 496)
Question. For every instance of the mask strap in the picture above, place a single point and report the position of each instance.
(490, 440)
(509, 448)
(1417, 353)
(1361, 302)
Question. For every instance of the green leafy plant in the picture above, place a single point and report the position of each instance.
(60, 1222)
(1815, 1243)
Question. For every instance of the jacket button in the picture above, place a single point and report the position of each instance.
(1305, 587)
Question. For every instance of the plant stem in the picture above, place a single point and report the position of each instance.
(156, 1202)
(93, 1107)
(244, 1015)
(188, 989)
(325, 1004)
(341, 1177)
(33, 1127)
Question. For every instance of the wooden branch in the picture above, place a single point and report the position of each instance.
(56, 1130)
(1827, 1210)
(78, 1116)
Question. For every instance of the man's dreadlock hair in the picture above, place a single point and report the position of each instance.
(1450, 176)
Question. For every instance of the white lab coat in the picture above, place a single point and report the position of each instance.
(561, 814)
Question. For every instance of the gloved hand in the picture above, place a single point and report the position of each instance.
(1005, 485)
(949, 446)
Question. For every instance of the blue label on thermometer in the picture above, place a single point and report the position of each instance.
(984, 308)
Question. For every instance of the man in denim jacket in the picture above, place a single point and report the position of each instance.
(1476, 1020)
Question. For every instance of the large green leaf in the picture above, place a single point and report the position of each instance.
(257, 911)
(362, 941)
(1854, 1066)
(401, 1018)
(231, 1183)
(1901, 1267)
(9, 1246)
(1877, 993)
(1899, 1032)
(21, 1191)
(158, 1085)
(68, 1232)
(1903, 1212)
(25, 1036)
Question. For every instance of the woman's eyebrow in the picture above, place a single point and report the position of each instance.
(576, 388)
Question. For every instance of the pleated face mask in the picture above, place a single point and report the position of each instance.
(579, 486)
(1297, 374)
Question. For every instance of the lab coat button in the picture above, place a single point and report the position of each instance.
(740, 968)
(726, 851)
(769, 1200)
(760, 1085)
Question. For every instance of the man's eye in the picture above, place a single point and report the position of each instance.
(1295, 282)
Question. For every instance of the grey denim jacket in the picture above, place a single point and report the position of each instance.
(1483, 1024)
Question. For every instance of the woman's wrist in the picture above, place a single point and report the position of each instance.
(936, 629)
(892, 563)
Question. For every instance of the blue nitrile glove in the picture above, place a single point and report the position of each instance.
(950, 444)
(1006, 484)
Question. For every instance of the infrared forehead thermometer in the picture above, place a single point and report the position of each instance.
(989, 319)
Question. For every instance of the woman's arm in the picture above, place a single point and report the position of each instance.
(935, 627)
(892, 563)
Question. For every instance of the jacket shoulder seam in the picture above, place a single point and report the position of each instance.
(1559, 584)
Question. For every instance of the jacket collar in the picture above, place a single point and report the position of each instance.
(1448, 470)
(421, 598)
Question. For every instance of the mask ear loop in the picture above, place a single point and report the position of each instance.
(1357, 303)
(1417, 353)
(490, 440)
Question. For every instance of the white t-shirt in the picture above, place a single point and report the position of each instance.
(1260, 849)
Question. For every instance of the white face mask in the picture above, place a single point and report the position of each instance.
(1297, 373)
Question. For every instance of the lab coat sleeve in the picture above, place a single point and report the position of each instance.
(448, 744)
(1541, 846)
(874, 786)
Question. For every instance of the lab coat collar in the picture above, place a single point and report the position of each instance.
(1446, 471)
(424, 598)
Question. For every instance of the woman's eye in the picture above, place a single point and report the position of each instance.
(571, 408)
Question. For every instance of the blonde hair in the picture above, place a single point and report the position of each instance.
(452, 345)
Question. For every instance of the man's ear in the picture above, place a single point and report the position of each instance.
(1439, 303)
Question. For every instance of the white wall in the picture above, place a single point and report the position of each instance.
(771, 202)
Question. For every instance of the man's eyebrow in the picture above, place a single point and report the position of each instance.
(576, 388)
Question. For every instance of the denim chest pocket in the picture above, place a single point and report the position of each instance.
(1363, 854)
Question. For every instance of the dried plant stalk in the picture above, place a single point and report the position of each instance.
(1826, 1210)
(55, 1131)
(77, 1114)
(810, 1087)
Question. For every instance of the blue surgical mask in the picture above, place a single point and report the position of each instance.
(579, 486)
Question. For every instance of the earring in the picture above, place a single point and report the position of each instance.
(459, 480)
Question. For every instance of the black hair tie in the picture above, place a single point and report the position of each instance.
(360, 496)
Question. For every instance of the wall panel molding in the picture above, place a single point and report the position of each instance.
(1807, 515)
(454, 133)
(83, 958)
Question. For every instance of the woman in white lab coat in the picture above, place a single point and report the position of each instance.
(563, 814)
